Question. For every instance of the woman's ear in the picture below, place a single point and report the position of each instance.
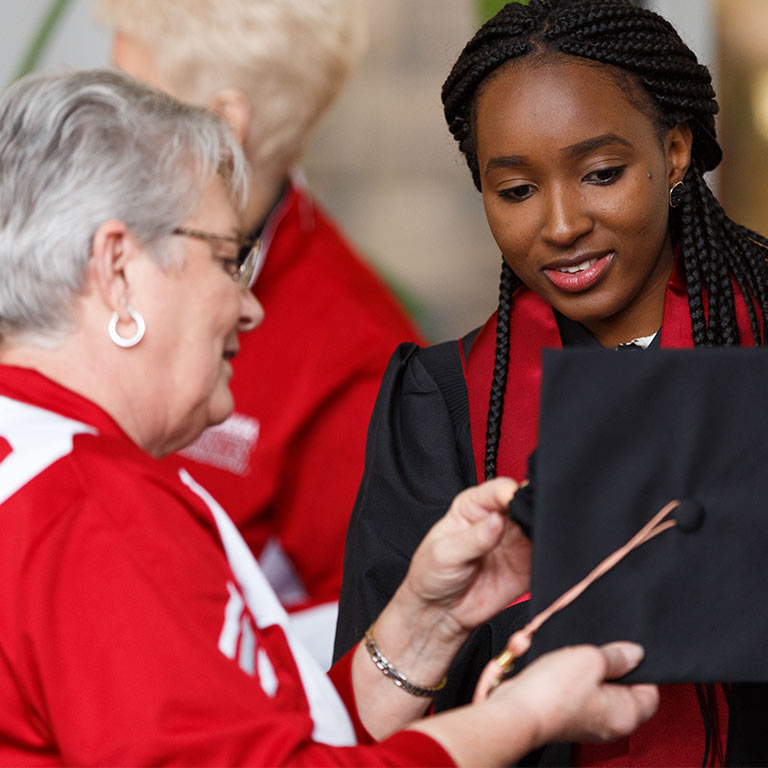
(112, 248)
(679, 142)
(235, 108)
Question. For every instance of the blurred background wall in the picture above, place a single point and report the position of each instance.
(742, 45)
(385, 165)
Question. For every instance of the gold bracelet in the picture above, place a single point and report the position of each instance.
(386, 666)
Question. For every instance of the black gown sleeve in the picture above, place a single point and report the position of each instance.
(416, 461)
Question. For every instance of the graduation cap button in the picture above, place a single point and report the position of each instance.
(689, 515)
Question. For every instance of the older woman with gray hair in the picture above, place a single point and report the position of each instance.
(135, 626)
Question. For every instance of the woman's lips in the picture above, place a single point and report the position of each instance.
(579, 276)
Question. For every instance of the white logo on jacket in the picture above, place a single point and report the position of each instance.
(238, 639)
(227, 445)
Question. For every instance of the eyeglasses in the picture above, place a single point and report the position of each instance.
(244, 264)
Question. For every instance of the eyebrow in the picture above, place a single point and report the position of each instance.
(570, 152)
(597, 142)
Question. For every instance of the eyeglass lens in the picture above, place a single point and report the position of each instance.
(248, 266)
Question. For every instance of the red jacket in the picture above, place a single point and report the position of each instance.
(135, 626)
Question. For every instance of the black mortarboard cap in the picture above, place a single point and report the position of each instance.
(621, 436)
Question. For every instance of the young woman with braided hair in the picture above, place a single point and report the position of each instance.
(588, 126)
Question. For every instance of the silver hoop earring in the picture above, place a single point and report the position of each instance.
(676, 194)
(131, 341)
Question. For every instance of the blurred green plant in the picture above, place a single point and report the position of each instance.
(42, 35)
(488, 8)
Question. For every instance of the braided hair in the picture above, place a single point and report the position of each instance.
(644, 50)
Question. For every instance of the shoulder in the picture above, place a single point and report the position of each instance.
(435, 370)
(416, 371)
(98, 506)
(111, 517)
(99, 484)
(422, 413)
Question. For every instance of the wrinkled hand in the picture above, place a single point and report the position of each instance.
(567, 694)
(474, 561)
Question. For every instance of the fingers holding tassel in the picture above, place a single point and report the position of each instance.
(499, 667)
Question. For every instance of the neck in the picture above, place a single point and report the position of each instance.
(86, 367)
(262, 195)
(611, 337)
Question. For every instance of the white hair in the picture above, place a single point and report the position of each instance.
(289, 57)
(82, 148)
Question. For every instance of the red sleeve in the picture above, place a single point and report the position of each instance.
(341, 676)
(419, 751)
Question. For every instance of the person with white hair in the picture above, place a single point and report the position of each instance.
(271, 68)
(136, 628)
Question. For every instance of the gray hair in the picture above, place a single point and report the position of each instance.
(79, 149)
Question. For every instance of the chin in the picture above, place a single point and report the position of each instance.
(585, 308)
(220, 407)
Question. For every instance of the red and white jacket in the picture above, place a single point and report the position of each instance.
(135, 626)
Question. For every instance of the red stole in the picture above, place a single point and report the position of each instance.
(675, 735)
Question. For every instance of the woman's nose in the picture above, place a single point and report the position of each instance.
(566, 218)
(251, 311)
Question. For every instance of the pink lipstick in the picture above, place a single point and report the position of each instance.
(577, 275)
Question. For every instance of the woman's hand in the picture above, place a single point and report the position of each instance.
(474, 561)
(568, 697)
(471, 564)
(563, 696)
